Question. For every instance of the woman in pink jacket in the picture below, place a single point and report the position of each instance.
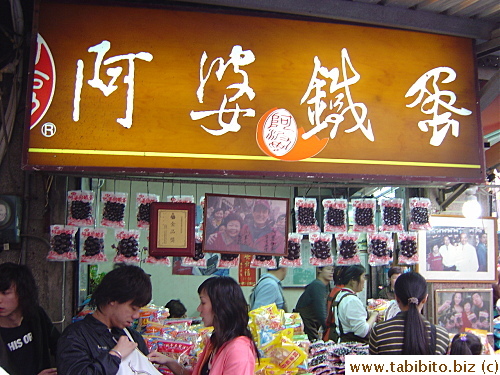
(231, 350)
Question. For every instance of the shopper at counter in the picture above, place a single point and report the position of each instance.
(97, 344)
(351, 323)
(268, 289)
(388, 291)
(408, 332)
(312, 303)
(176, 309)
(231, 349)
(28, 338)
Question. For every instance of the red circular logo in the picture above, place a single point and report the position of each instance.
(44, 82)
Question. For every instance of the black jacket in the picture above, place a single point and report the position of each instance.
(45, 337)
(84, 348)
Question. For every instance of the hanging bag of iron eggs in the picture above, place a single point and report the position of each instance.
(80, 208)
(380, 248)
(62, 243)
(294, 247)
(164, 261)
(113, 210)
(305, 215)
(419, 214)
(127, 247)
(228, 260)
(321, 253)
(143, 207)
(92, 245)
(392, 217)
(347, 249)
(335, 218)
(364, 215)
(263, 261)
(199, 259)
(408, 248)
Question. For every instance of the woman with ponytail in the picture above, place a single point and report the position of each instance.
(408, 332)
(466, 343)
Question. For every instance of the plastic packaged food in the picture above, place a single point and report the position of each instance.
(92, 245)
(321, 254)
(62, 243)
(380, 248)
(305, 214)
(408, 248)
(127, 248)
(143, 206)
(335, 215)
(199, 256)
(419, 214)
(263, 261)
(347, 249)
(392, 217)
(293, 257)
(229, 261)
(364, 215)
(81, 208)
(113, 211)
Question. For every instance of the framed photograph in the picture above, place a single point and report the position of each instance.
(458, 309)
(457, 248)
(245, 225)
(172, 228)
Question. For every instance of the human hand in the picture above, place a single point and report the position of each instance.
(48, 371)
(124, 346)
(156, 357)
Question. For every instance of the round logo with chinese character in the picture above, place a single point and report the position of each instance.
(278, 136)
(44, 82)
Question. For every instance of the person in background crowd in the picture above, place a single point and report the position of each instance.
(482, 252)
(330, 319)
(231, 349)
(388, 291)
(312, 303)
(466, 343)
(28, 339)
(435, 260)
(269, 290)
(259, 235)
(176, 309)
(447, 250)
(97, 344)
(465, 255)
(351, 323)
(408, 333)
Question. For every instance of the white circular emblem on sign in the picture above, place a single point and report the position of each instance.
(280, 132)
(48, 129)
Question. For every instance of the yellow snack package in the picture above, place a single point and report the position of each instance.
(283, 352)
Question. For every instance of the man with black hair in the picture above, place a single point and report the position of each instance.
(176, 309)
(28, 339)
(97, 344)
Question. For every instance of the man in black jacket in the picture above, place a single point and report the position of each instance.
(97, 344)
(27, 336)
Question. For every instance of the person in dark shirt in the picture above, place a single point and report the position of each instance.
(28, 339)
(97, 344)
(176, 309)
(388, 291)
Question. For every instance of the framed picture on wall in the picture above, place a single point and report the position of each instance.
(457, 248)
(245, 225)
(458, 309)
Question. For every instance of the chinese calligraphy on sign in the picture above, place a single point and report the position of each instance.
(107, 89)
(440, 122)
(317, 94)
(237, 58)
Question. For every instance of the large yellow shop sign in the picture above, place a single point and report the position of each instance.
(153, 89)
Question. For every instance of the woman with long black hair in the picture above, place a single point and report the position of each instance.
(231, 350)
(408, 332)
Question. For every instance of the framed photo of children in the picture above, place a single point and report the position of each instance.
(244, 224)
(457, 248)
(458, 309)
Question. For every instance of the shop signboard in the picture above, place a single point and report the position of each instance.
(145, 90)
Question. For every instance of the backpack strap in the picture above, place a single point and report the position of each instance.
(335, 305)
